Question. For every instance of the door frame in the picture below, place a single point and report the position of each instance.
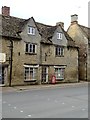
(44, 74)
(4, 74)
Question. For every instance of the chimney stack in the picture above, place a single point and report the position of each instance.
(74, 19)
(60, 23)
(5, 11)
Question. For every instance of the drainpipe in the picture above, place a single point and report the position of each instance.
(11, 56)
(86, 71)
(78, 65)
(86, 67)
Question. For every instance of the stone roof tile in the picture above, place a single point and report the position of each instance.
(11, 26)
(86, 31)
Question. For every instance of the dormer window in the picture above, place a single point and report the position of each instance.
(31, 30)
(59, 35)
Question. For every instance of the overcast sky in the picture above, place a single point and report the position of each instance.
(49, 11)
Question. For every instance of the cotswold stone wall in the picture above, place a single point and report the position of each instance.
(81, 41)
(69, 61)
(6, 50)
(88, 64)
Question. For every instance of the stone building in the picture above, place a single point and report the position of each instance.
(39, 51)
(81, 36)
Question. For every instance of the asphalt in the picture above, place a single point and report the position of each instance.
(56, 101)
(35, 87)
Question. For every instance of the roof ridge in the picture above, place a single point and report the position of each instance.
(86, 31)
(84, 26)
(12, 17)
(44, 24)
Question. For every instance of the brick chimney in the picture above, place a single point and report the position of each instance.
(74, 19)
(5, 11)
(60, 23)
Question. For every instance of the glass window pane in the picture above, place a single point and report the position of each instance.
(61, 50)
(33, 31)
(56, 51)
(26, 73)
(59, 73)
(59, 35)
(33, 48)
(30, 48)
(26, 47)
(28, 29)
(30, 73)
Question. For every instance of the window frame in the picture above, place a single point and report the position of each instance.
(59, 51)
(59, 35)
(30, 48)
(31, 75)
(31, 30)
(60, 73)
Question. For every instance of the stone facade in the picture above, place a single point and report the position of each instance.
(69, 62)
(80, 34)
(39, 51)
(88, 63)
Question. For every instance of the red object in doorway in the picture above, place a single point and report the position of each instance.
(53, 79)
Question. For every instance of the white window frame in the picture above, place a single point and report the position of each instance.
(60, 73)
(31, 30)
(60, 50)
(31, 47)
(27, 74)
(59, 36)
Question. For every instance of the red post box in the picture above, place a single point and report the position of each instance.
(53, 79)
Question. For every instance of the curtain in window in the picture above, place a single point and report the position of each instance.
(30, 73)
(59, 73)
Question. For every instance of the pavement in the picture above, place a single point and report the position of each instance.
(36, 87)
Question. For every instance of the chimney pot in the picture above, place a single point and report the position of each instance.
(74, 18)
(5, 11)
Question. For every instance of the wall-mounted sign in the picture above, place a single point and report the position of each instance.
(2, 57)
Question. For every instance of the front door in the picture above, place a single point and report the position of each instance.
(2, 75)
(44, 74)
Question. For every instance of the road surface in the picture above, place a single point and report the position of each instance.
(57, 102)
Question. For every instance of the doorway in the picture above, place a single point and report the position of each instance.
(2, 75)
(44, 74)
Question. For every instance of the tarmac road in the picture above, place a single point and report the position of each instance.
(54, 102)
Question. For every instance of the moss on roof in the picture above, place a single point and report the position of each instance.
(12, 26)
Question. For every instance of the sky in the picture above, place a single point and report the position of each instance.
(49, 11)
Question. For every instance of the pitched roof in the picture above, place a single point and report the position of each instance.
(86, 31)
(11, 26)
(47, 33)
(71, 43)
(44, 32)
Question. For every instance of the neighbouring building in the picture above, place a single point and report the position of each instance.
(81, 36)
(39, 51)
